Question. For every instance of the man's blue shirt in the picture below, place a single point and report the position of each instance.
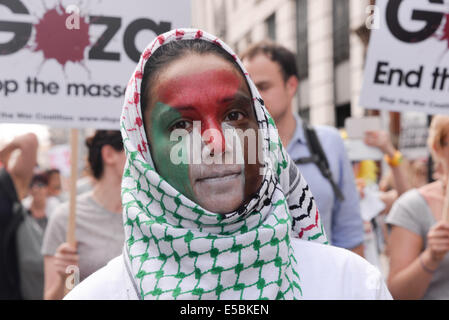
(342, 220)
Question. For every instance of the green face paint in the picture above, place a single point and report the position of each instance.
(162, 119)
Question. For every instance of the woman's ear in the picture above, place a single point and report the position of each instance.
(108, 154)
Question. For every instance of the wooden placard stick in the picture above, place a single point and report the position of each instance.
(73, 179)
(71, 225)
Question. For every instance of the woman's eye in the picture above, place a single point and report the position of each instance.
(183, 124)
(234, 116)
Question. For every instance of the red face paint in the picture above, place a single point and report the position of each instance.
(202, 97)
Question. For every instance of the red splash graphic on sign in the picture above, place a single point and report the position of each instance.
(58, 42)
(445, 32)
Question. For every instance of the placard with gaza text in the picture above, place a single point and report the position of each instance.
(67, 63)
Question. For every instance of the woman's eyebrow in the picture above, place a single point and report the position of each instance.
(171, 113)
(184, 108)
(237, 97)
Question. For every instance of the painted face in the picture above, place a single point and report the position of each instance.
(205, 95)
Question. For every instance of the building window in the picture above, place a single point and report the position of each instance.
(342, 89)
(342, 112)
(341, 30)
(220, 19)
(271, 27)
(302, 56)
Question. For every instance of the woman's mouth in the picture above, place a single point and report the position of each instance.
(223, 176)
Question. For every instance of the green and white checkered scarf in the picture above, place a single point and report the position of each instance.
(177, 250)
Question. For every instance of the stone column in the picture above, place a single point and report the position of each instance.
(321, 66)
(358, 18)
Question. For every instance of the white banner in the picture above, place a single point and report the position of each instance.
(407, 66)
(67, 63)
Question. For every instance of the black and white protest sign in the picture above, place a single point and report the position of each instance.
(407, 66)
(67, 63)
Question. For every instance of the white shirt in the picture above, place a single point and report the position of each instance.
(327, 273)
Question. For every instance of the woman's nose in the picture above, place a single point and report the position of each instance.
(214, 139)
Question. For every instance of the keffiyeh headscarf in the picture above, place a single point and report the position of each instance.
(177, 250)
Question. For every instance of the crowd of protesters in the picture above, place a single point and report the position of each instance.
(409, 231)
(36, 259)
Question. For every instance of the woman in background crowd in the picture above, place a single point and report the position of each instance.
(38, 196)
(52, 190)
(29, 237)
(419, 239)
(99, 226)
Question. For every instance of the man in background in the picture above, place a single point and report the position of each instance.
(273, 70)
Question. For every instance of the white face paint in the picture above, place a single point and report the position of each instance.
(218, 182)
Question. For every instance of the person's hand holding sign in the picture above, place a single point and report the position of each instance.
(58, 269)
(65, 256)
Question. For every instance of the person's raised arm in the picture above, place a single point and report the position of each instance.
(22, 170)
(382, 141)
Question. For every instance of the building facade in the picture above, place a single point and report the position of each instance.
(325, 34)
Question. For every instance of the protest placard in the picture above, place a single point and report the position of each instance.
(67, 63)
(407, 67)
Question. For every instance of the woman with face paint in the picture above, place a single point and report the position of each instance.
(213, 206)
(225, 105)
